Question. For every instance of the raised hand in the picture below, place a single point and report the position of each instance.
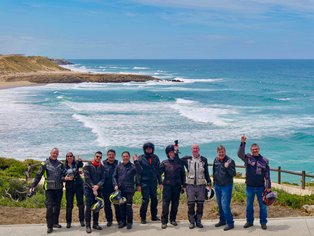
(243, 138)
(227, 163)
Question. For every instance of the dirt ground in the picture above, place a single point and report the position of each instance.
(13, 215)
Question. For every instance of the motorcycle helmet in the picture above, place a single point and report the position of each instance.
(70, 172)
(98, 205)
(116, 198)
(168, 149)
(269, 197)
(146, 145)
(209, 194)
(31, 193)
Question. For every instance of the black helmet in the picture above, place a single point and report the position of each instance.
(146, 145)
(269, 197)
(209, 194)
(168, 149)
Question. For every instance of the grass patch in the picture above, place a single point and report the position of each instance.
(292, 200)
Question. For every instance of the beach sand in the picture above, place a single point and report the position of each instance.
(6, 85)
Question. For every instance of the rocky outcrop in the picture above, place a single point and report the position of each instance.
(38, 69)
(74, 77)
(61, 61)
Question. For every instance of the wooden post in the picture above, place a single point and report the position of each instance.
(303, 179)
(279, 174)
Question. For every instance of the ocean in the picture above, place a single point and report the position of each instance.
(271, 101)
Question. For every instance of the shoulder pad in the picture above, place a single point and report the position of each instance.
(265, 159)
(203, 158)
(186, 158)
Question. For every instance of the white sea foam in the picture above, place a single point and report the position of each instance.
(200, 113)
(184, 101)
(77, 68)
(134, 122)
(164, 77)
(140, 68)
(94, 126)
(283, 99)
(199, 80)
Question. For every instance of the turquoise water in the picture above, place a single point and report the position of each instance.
(271, 101)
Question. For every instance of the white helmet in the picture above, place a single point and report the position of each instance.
(210, 194)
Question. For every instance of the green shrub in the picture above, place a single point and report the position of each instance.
(13, 188)
(311, 184)
(238, 193)
(137, 198)
(293, 200)
(14, 168)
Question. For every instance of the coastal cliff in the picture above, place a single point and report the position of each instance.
(37, 69)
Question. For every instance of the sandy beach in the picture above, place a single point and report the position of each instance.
(6, 85)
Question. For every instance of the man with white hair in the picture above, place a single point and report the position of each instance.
(197, 179)
(54, 172)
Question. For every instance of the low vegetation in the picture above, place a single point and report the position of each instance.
(23, 64)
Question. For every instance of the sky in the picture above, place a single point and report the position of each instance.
(158, 29)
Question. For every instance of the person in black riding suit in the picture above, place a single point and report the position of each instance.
(73, 188)
(124, 180)
(173, 184)
(149, 176)
(110, 164)
(94, 173)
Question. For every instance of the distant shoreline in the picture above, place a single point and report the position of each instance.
(17, 71)
(41, 78)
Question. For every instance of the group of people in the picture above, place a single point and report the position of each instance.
(173, 176)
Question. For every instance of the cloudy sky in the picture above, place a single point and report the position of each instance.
(156, 29)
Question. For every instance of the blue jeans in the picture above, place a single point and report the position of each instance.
(223, 196)
(250, 195)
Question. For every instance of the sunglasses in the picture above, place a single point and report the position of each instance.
(69, 156)
(99, 156)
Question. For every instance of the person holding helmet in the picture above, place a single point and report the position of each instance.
(147, 166)
(94, 173)
(173, 183)
(110, 164)
(197, 180)
(223, 173)
(124, 180)
(54, 172)
(74, 187)
(257, 181)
